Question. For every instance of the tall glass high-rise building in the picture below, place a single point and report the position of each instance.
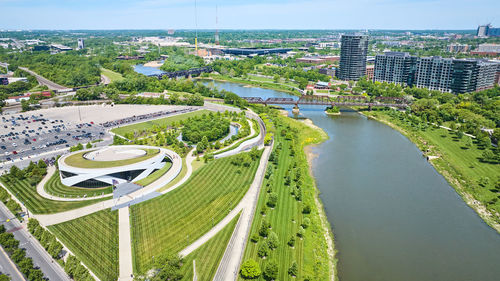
(353, 51)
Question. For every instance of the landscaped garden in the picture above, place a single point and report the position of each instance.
(94, 240)
(55, 187)
(169, 223)
(78, 160)
(22, 184)
(287, 238)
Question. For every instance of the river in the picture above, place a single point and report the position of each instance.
(394, 217)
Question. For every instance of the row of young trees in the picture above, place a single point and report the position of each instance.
(72, 266)
(18, 256)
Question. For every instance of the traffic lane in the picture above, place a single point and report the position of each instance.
(34, 250)
(8, 268)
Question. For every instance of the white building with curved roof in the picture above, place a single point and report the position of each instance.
(112, 165)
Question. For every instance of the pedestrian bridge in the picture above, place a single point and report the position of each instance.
(333, 101)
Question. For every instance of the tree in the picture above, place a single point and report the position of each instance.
(272, 200)
(294, 268)
(89, 145)
(250, 269)
(264, 228)
(271, 271)
(291, 242)
(169, 267)
(263, 250)
(301, 232)
(273, 241)
(488, 156)
(306, 223)
(468, 142)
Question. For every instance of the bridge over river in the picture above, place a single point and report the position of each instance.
(333, 101)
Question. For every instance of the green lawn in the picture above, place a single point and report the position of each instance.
(139, 127)
(37, 204)
(56, 188)
(169, 223)
(77, 160)
(208, 256)
(94, 240)
(155, 175)
(310, 252)
(455, 162)
(113, 76)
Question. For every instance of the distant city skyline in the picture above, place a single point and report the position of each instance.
(256, 14)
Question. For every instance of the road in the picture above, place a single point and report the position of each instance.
(44, 81)
(8, 267)
(50, 268)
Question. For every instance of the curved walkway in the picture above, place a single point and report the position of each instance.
(40, 188)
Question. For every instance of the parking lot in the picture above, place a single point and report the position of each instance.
(26, 135)
(46, 133)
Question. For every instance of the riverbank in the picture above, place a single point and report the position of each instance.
(327, 228)
(253, 83)
(440, 159)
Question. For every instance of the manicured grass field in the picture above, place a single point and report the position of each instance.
(310, 252)
(94, 240)
(113, 76)
(208, 256)
(455, 159)
(56, 188)
(169, 223)
(77, 160)
(156, 175)
(139, 127)
(28, 195)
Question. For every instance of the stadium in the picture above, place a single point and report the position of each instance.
(112, 165)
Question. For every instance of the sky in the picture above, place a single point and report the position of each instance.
(248, 14)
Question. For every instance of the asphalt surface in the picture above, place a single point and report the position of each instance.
(8, 267)
(44, 81)
(50, 268)
(26, 136)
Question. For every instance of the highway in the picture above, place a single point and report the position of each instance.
(50, 268)
(44, 81)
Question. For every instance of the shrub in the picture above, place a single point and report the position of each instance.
(250, 269)
(272, 200)
(292, 271)
(263, 250)
(273, 241)
(271, 271)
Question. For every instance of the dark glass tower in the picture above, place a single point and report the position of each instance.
(353, 57)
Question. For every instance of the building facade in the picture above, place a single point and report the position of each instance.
(81, 44)
(370, 70)
(353, 52)
(395, 67)
(434, 73)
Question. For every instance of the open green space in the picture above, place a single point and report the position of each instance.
(262, 84)
(208, 256)
(293, 216)
(459, 159)
(163, 122)
(77, 160)
(56, 188)
(94, 240)
(27, 194)
(155, 175)
(169, 223)
(113, 76)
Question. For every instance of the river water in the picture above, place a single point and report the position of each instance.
(394, 217)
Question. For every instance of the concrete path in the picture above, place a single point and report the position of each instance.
(230, 264)
(125, 245)
(247, 206)
(40, 188)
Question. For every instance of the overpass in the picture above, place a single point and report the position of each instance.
(333, 101)
(184, 73)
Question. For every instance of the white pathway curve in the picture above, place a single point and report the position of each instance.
(40, 188)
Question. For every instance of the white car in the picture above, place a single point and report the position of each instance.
(14, 144)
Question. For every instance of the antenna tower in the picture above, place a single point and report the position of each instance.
(216, 27)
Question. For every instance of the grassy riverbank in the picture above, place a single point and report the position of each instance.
(289, 227)
(250, 82)
(459, 163)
